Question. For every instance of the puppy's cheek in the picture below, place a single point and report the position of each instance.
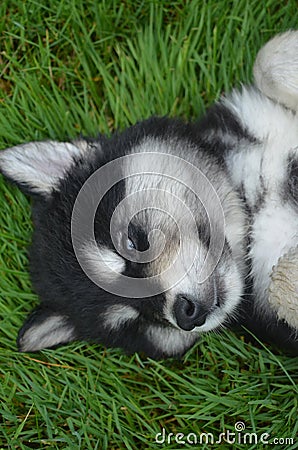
(118, 316)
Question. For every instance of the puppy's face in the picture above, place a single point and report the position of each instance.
(137, 241)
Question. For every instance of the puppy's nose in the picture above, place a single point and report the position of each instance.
(188, 312)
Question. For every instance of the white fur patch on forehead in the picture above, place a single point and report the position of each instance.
(148, 163)
(117, 315)
(156, 183)
(170, 173)
(40, 165)
(103, 262)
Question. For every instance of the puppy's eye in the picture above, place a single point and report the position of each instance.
(127, 244)
(130, 245)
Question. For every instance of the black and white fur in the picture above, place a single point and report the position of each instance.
(246, 145)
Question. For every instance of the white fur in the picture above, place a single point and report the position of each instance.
(245, 168)
(274, 232)
(52, 331)
(263, 118)
(168, 340)
(103, 262)
(118, 315)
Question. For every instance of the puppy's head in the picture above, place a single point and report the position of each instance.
(137, 241)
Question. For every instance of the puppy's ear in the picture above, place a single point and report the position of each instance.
(37, 167)
(44, 329)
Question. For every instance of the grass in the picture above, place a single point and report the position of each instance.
(69, 67)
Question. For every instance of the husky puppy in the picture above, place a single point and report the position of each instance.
(149, 238)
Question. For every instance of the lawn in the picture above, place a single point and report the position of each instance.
(71, 67)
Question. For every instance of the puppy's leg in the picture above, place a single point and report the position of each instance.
(276, 69)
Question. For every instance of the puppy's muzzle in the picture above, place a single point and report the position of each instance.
(189, 313)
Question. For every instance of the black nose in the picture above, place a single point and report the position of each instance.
(189, 313)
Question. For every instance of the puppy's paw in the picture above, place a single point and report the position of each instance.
(276, 69)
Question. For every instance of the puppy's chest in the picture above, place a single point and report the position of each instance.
(273, 232)
(260, 174)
